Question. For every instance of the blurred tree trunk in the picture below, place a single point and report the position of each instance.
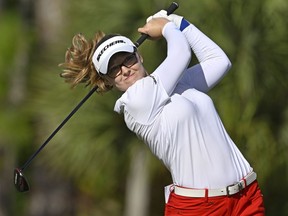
(137, 185)
(49, 18)
(51, 195)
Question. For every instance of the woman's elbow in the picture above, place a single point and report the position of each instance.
(226, 64)
(229, 64)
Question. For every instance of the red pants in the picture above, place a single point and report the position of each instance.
(248, 202)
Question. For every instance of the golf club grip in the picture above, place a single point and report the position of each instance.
(169, 10)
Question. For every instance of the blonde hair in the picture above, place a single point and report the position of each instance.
(78, 66)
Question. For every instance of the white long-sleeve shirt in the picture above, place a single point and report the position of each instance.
(178, 121)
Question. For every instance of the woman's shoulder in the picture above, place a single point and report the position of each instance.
(143, 100)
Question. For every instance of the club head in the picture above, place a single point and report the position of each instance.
(20, 181)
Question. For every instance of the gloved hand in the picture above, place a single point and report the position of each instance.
(176, 19)
(161, 13)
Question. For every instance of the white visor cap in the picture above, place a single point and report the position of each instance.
(108, 48)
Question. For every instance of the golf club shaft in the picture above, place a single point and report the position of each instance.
(59, 127)
(169, 10)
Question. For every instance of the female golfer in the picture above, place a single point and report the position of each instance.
(169, 110)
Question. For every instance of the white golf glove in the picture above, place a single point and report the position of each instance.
(176, 19)
(159, 14)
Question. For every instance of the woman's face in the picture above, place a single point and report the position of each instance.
(125, 69)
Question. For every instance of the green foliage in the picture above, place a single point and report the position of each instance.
(15, 130)
(252, 99)
(13, 120)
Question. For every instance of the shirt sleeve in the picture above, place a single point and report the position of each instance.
(178, 58)
(145, 99)
(213, 62)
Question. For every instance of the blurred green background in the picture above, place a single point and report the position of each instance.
(94, 165)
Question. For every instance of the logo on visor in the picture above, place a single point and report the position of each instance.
(107, 46)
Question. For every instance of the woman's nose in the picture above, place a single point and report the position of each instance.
(125, 70)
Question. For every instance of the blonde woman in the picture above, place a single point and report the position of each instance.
(171, 112)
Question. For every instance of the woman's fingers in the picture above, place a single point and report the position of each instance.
(154, 27)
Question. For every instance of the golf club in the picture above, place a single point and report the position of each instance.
(20, 181)
(169, 10)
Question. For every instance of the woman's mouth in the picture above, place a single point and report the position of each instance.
(129, 76)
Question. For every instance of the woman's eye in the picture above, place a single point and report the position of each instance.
(130, 60)
(114, 70)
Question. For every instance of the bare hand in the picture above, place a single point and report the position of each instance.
(154, 27)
